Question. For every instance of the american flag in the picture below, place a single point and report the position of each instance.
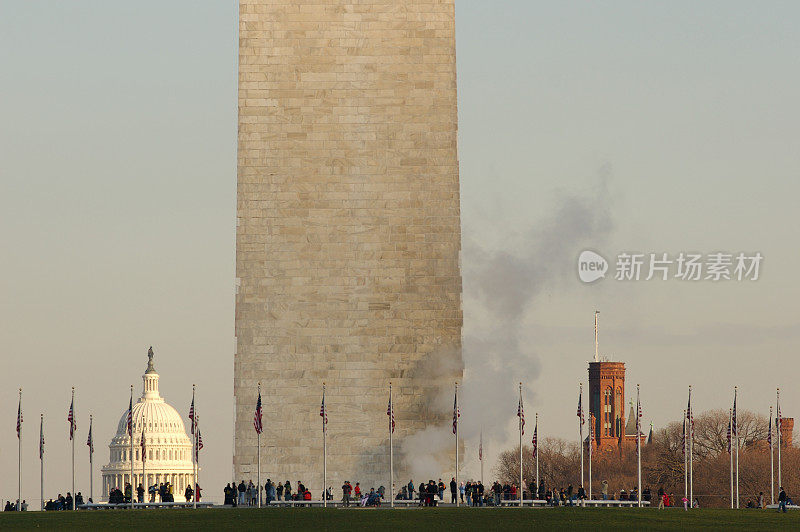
(41, 438)
(580, 408)
(729, 436)
(639, 414)
(323, 413)
(141, 442)
(192, 416)
(535, 439)
(257, 417)
(199, 446)
(521, 416)
(71, 419)
(778, 419)
(19, 418)
(89, 440)
(390, 412)
(683, 438)
(480, 448)
(689, 415)
(734, 425)
(130, 418)
(769, 434)
(456, 412)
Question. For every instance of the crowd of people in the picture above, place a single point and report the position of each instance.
(64, 502)
(470, 493)
(163, 492)
(430, 493)
(13, 507)
(59, 503)
(246, 494)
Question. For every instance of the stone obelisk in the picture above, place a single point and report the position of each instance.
(348, 235)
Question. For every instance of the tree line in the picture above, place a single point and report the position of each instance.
(663, 462)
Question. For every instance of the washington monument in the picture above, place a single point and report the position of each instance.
(348, 235)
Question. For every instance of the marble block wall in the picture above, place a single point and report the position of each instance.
(348, 236)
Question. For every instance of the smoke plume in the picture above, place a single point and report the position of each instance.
(502, 285)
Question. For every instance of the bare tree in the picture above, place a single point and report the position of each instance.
(663, 462)
(711, 431)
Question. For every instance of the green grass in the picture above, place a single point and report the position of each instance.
(405, 519)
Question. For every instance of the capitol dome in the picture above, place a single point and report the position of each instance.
(168, 449)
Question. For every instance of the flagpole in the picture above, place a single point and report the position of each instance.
(481, 445)
(19, 453)
(771, 462)
(143, 457)
(686, 460)
(591, 440)
(324, 450)
(735, 393)
(258, 443)
(233, 446)
(391, 448)
(91, 461)
(457, 415)
(131, 450)
(194, 452)
(638, 447)
(580, 428)
(536, 455)
(778, 428)
(72, 437)
(730, 451)
(691, 449)
(520, 443)
(197, 481)
(41, 460)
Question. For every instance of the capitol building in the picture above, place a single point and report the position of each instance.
(168, 448)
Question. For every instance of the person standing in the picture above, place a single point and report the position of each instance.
(498, 490)
(251, 493)
(241, 488)
(453, 491)
(782, 500)
(604, 490)
(411, 490)
(461, 490)
(140, 493)
(347, 489)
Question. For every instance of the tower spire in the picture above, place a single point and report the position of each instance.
(596, 348)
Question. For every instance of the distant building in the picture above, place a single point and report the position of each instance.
(168, 449)
(787, 428)
(607, 407)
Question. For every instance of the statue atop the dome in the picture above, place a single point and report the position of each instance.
(150, 368)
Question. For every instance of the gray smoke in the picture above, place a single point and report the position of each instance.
(501, 285)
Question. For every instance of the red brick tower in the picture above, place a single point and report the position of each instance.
(607, 403)
(787, 428)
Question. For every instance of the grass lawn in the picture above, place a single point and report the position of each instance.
(405, 519)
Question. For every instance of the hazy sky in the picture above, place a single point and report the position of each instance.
(655, 127)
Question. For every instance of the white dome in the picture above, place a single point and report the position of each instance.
(168, 449)
(163, 423)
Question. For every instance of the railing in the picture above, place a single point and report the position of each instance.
(122, 506)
